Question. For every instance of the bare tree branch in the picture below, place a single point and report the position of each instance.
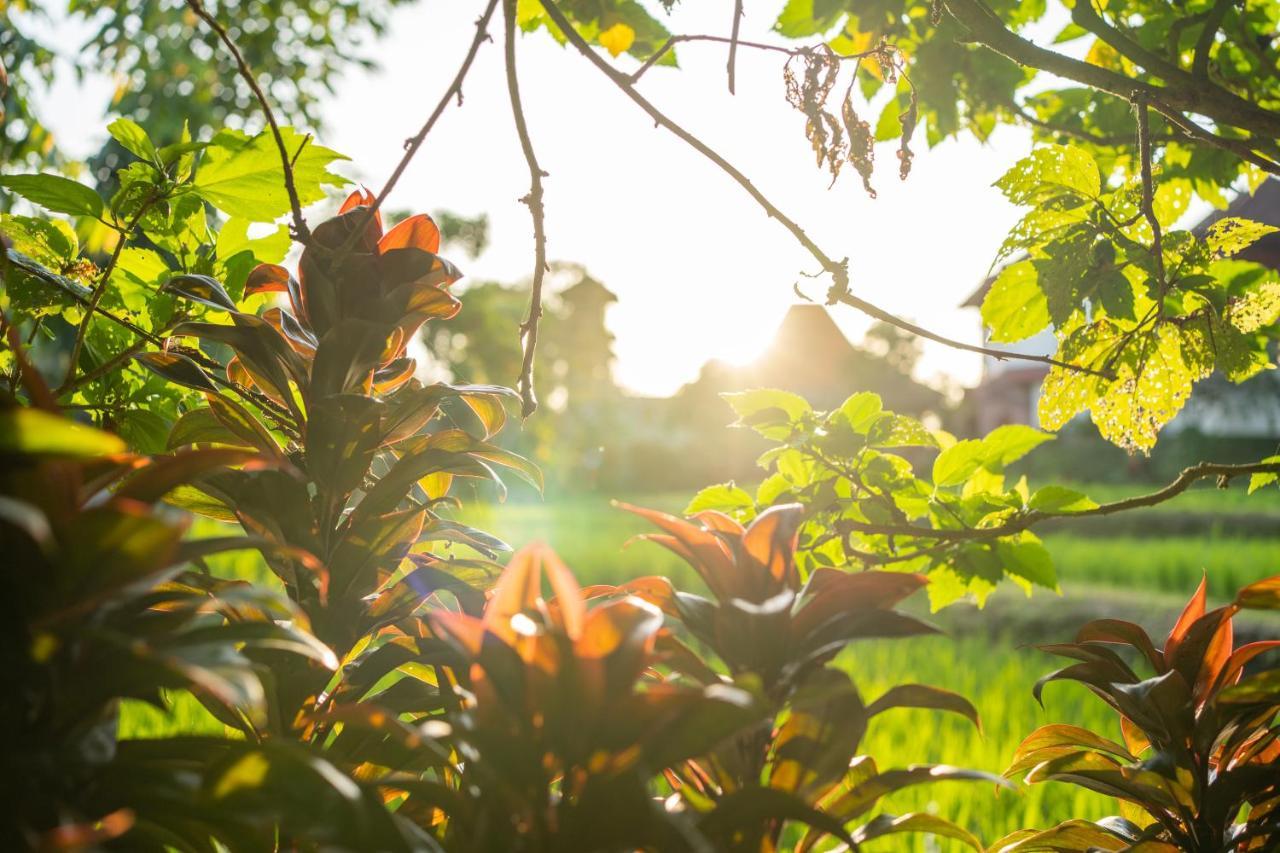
(733, 42)
(838, 270)
(529, 328)
(413, 143)
(657, 55)
(300, 231)
(1200, 65)
(1186, 94)
(1189, 476)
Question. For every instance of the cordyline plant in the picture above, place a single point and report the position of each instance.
(366, 456)
(98, 607)
(564, 722)
(1199, 768)
(775, 635)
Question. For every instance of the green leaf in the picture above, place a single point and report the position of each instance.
(1265, 478)
(1006, 444)
(1027, 558)
(955, 464)
(1257, 309)
(35, 431)
(725, 497)
(133, 138)
(1231, 235)
(1049, 174)
(55, 193)
(1015, 307)
(750, 403)
(245, 177)
(861, 410)
(1059, 499)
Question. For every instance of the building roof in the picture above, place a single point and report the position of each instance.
(1263, 205)
(586, 290)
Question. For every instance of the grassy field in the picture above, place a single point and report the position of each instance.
(986, 660)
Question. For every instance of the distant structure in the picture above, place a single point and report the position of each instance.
(588, 374)
(810, 356)
(1009, 391)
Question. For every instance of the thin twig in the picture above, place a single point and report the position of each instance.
(1200, 65)
(838, 270)
(733, 42)
(657, 55)
(529, 328)
(413, 143)
(100, 289)
(301, 233)
(1188, 477)
(1240, 147)
(1148, 195)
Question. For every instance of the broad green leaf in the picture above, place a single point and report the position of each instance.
(1051, 172)
(1006, 444)
(270, 248)
(1059, 499)
(49, 242)
(55, 193)
(133, 138)
(1258, 308)
(725, 497)
(35, 431)
(1231, 235)
(861, 410)
(1146, 396)
(803, 18)
(749, 403)
(245, 177)
(955, 464)
(1015, 307)
(1027, 558)
(1266, 478)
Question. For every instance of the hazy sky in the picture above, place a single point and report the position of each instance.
(700, 271)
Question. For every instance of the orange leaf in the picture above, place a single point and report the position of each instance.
(417, 232)
(771, 541)
(1193, 611)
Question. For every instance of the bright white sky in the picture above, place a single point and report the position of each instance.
(700, 271)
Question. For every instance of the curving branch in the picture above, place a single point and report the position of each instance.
(413, 143)
(838, 270)
(1181, 94)
(1213, 21)
(300, 231)
(1189, 476)
(529, 328)
(733, 41)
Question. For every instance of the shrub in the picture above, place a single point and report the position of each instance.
(1198, 768)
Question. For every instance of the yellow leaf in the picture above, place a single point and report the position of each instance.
(617, 39)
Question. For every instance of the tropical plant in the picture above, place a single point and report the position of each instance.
(98, 607)
(1199, 766)
(775, 634)
(367, 459)
(563, 722)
